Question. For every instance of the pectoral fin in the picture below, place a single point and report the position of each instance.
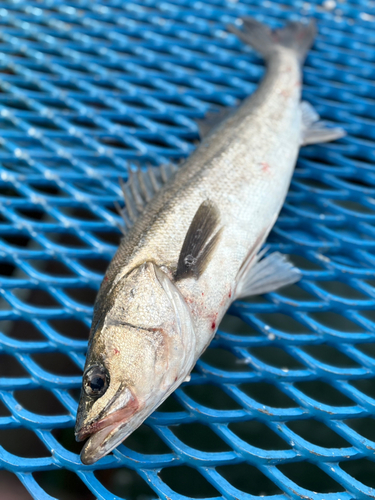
(199, 243)
(266, 275)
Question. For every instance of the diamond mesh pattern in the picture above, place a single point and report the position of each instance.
(282, 402)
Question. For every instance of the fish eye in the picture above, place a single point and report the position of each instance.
(95, 381)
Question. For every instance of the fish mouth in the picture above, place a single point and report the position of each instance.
(104, 434)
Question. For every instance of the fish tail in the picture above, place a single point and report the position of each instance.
(296, 36)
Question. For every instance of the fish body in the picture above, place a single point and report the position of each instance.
(195, 248)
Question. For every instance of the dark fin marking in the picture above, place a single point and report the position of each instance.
(314, 130)
(295, 35)
(199, 243)
(212, 120)
(140, 188)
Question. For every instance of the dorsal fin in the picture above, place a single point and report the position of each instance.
(212, 120)
(140, 188)
(200, 241)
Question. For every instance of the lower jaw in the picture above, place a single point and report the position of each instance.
(95, 447)
(99, 441)
(105, 440)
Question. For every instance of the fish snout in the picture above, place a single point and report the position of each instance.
(85, 431)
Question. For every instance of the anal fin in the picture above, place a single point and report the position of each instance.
(314, 130)
(266, 275)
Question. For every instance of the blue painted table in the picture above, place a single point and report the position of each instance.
(282, 403)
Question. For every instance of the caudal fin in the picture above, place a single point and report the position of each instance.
(295, 35)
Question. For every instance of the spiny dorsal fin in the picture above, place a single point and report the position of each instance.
(200, 241)
(140, 188)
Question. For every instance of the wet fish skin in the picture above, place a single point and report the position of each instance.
(149, 328)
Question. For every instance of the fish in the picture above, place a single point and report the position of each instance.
(193, 244)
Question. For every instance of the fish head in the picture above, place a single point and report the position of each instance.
(139, 352)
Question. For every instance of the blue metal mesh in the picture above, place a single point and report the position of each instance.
(285, 394)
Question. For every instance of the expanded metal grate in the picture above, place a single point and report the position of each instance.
(282, 403)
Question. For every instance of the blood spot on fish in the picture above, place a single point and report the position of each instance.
(105, 278)
(230, 294)
(116, 351)
(265, 167)
(213, 325)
